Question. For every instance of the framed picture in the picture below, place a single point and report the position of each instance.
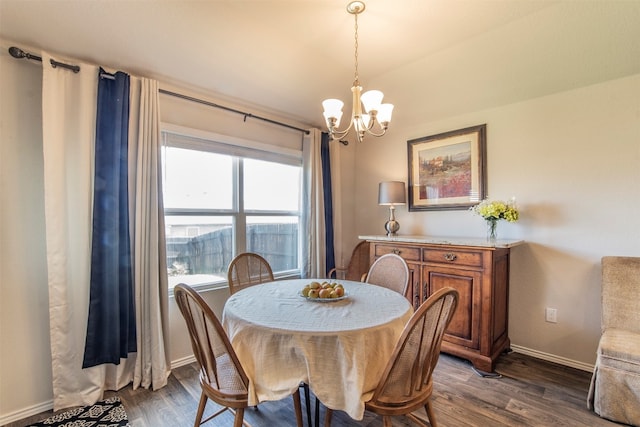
(447, 171)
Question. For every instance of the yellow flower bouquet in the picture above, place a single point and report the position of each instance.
(492, 211)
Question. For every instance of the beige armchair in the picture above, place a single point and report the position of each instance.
(615, 386)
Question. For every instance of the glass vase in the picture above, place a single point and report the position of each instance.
(492, 230)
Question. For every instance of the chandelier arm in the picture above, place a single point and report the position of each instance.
(337, 134)
(369, 129)
(370, 132)
(372, 121)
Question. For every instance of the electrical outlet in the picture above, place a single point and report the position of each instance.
(551, 315)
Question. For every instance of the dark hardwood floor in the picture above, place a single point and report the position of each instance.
(530, 392)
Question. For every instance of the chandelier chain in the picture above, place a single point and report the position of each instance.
(356, 80)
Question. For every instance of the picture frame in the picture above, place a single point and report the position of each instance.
(447, 170)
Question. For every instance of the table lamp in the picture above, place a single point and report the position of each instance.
(391, 193)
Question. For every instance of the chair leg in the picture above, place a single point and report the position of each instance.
(238, 421)
(307, 401)
(386, 421)
(327, 417)
(430, 414)
(201, 405)
(298, 408)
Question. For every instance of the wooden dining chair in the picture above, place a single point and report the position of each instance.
(406, 384)
(248, 269)
(222, 377)
(390, 271)
(357, 267)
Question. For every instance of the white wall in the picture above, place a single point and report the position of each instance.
(573, 162)
(25, 356)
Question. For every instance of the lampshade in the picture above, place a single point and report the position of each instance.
(332, 107)
(384, 113)
(391, 193)
(371, 100)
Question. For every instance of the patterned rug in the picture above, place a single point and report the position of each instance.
(106, 413)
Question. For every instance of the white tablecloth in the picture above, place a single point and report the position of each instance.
(339, 348)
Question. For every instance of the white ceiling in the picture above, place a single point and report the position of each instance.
(450, 56)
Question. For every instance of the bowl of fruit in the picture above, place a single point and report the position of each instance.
(323, 292)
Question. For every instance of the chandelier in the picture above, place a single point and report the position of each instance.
(371, 101)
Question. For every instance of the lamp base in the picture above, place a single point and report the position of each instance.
(392, 226)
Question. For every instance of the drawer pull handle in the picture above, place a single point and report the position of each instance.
(450, 257)
(396, 251)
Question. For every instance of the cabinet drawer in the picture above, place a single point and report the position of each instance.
(453, 257)
(409, 253)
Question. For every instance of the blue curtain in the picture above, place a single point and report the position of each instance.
(111, 328)
(328, 204)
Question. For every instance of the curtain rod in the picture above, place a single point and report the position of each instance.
(233, 110)
(18, 53)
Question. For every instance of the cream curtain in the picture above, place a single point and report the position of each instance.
(313, 227)
(69, 124)
(152, 366)
(69, 98)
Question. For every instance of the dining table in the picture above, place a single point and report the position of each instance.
(339, 347)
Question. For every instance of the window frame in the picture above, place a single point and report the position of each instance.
(198, 140)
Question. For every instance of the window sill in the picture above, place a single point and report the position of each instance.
(204, 282)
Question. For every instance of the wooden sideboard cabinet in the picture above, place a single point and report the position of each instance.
(478, 271)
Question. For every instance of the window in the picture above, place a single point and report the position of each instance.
(221, 200)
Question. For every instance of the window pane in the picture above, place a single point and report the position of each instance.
(276, 239)
(199, 248)
(197, 179)
(271, 186)
(204, 204)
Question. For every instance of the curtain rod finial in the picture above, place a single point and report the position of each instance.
(16, 52)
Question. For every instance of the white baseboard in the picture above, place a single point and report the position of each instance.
(553, 358)
(183, 361)
(26, 412)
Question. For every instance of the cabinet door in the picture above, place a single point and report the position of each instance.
(464, 329)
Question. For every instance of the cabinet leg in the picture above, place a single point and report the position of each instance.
(484, 374)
